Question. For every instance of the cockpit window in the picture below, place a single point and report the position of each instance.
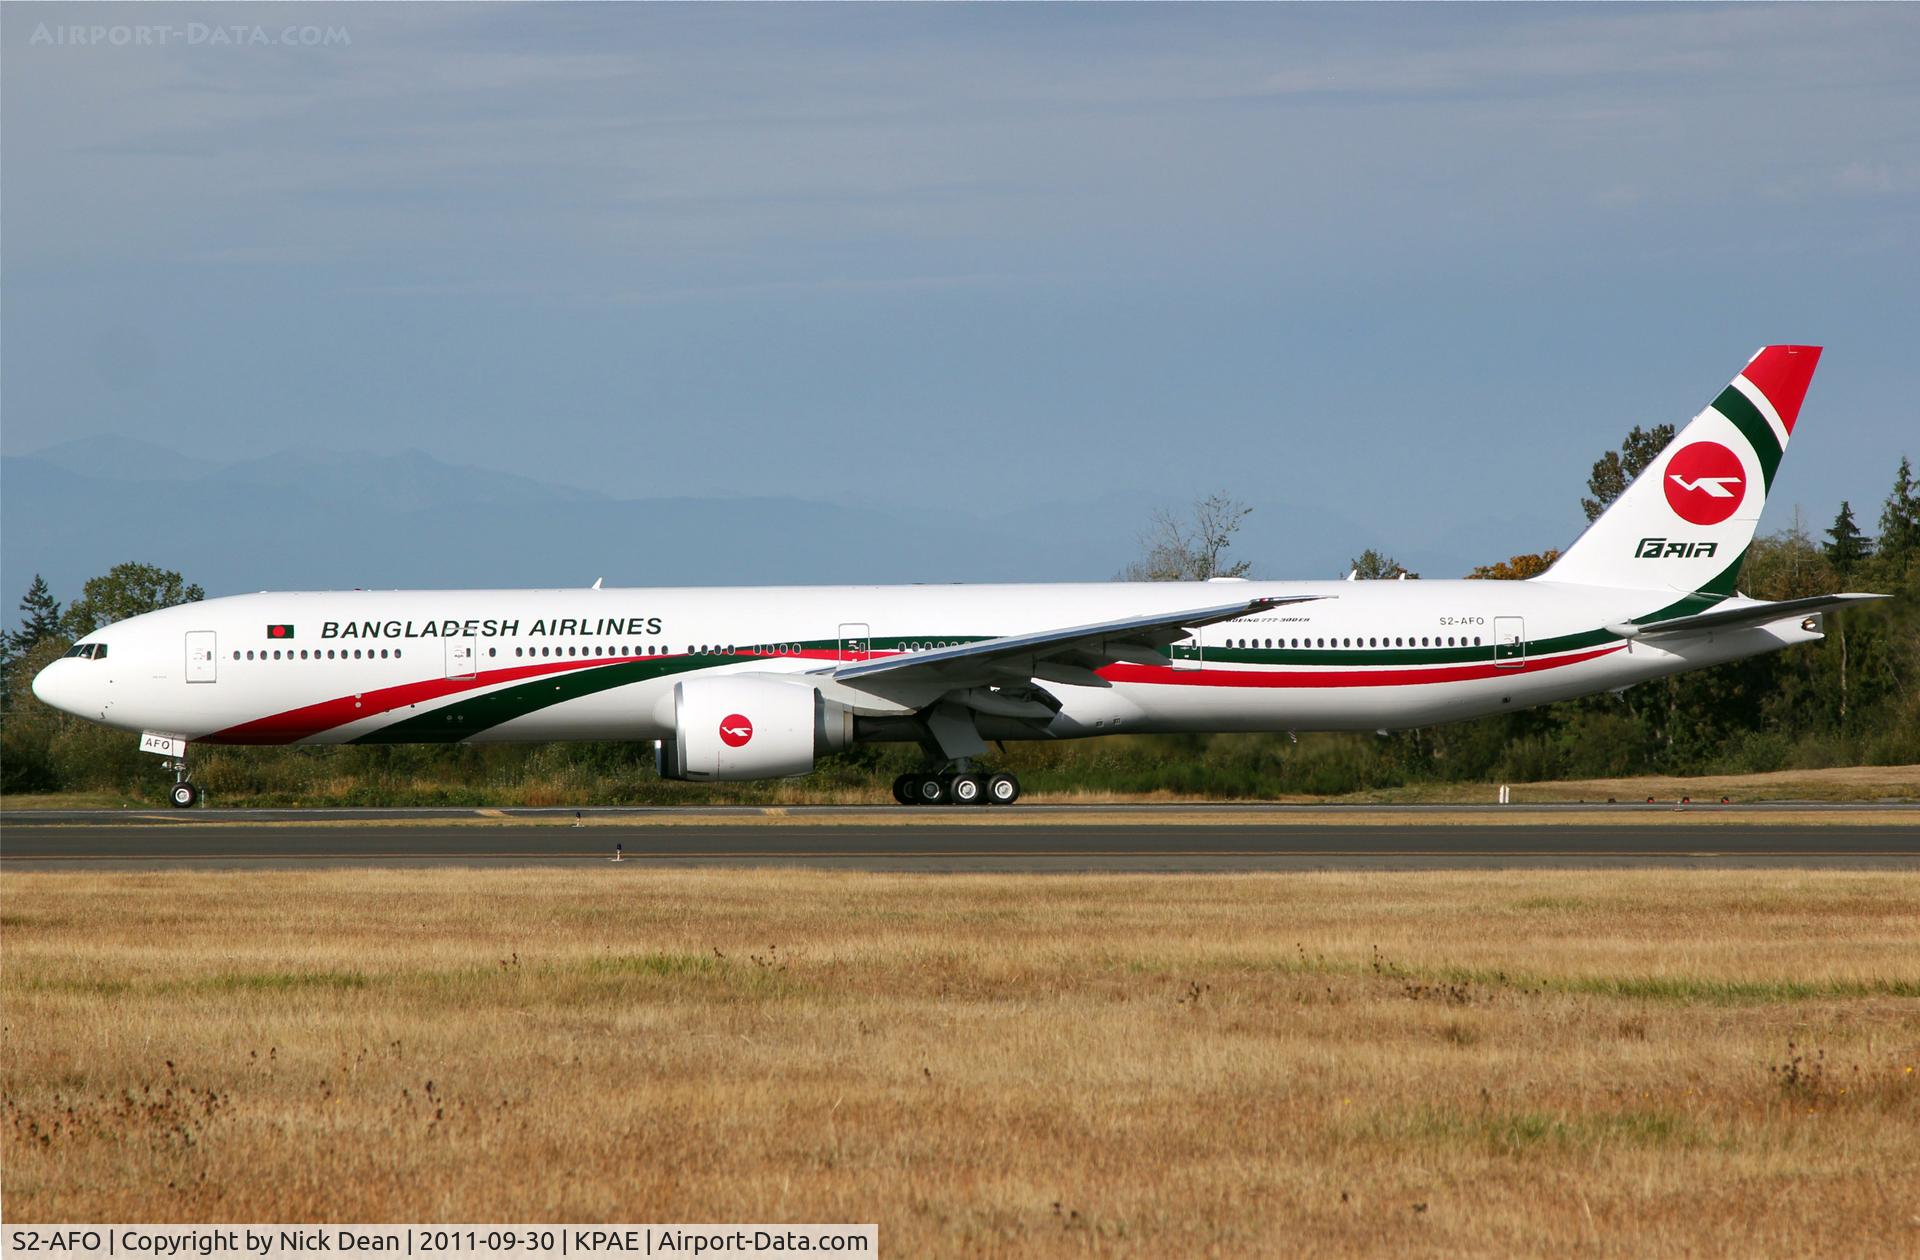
(88, 651)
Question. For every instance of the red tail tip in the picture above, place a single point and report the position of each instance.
(1782, 374)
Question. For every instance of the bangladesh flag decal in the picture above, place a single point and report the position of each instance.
(279, 632)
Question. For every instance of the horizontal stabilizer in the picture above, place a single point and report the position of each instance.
(1738, 618)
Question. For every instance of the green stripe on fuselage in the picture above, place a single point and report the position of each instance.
(463, 719)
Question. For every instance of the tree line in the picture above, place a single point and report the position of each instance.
(1853, 698)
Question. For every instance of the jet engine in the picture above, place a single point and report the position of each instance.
(750, 727)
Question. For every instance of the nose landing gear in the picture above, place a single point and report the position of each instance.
(185, 794)
(962, 787)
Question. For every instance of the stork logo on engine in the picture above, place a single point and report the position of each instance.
(735, 730)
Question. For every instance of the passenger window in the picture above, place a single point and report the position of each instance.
(249, 654)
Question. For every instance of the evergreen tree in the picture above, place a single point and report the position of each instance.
(1900, 519)
(42, 618)
(1848, 546)
(41, 622)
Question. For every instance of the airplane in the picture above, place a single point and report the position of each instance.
(750, 683)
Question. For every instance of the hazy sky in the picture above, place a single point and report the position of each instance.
(1404, 259)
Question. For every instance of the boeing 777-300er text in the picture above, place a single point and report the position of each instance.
(755, 683)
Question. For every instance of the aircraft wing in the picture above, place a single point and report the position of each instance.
(1068, 655)
(1739, 618)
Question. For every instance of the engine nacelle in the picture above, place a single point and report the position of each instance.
(750, 727)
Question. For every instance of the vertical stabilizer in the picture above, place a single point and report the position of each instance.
(1686, 521)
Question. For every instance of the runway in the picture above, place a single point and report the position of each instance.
(1064, 839)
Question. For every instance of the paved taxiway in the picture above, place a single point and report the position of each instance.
(1079, 838)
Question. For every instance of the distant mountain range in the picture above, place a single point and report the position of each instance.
(315, 519)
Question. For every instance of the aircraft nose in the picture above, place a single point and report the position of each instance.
(54, 686)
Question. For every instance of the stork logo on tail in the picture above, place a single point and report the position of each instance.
(1705, 483)
(735, 730)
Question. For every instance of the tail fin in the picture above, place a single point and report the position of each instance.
(1686, 521)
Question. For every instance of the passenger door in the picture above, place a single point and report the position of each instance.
(461, 654)
(1509, 642)
(202, 657)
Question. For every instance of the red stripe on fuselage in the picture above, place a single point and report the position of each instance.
(1167, 676)
(311, 719)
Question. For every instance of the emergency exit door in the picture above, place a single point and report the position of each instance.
(460, 657)
(1190, 652)
(202, 656)
(855, 643)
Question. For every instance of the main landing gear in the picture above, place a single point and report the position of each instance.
(964, 787)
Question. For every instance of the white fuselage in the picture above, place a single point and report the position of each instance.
(500, 665)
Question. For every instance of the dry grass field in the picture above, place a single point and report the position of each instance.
(1627, 1063)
